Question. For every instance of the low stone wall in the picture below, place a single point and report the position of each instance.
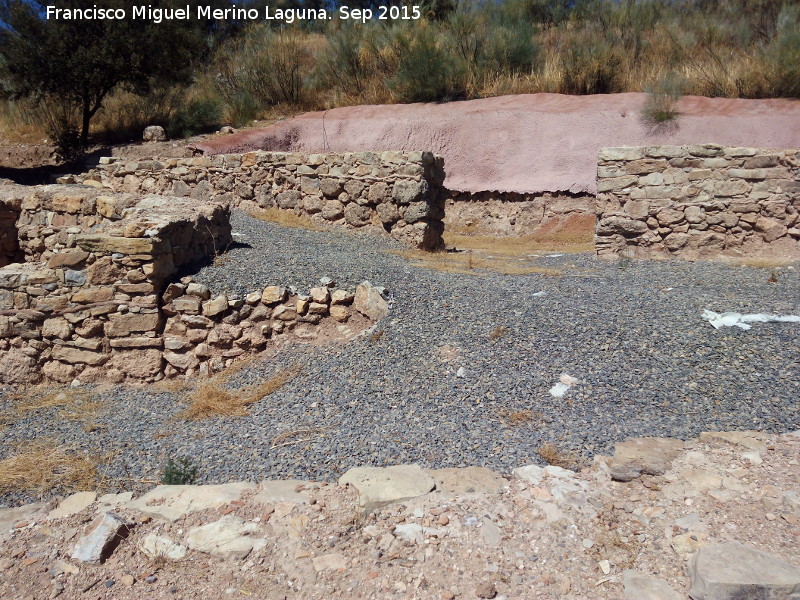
(398, 192)
(10, 207)
(698, 201)
(95, 265)
(94, 302)
(508, 213)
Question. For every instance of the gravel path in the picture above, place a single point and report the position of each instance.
(646, 361)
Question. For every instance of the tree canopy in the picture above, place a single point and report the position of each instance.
(80, 61)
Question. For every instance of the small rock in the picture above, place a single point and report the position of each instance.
(127, 580)
(605, 566)
(109, 583)
(486, 590)
(639, 586)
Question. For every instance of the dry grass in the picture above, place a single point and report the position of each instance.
(285, 218)
(77, 404)
(42, 465)
(297, 436)
(478, 254)
(211, 399)
(515, 418)
(498, 332)
(553, 455)
(563, 242)
(764, 263)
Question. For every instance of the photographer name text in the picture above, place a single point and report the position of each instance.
(206, 13)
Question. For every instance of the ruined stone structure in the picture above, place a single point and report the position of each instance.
(698, 201)
(399, 192)
(87, 292)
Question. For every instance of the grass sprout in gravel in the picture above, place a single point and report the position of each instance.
(441, 383)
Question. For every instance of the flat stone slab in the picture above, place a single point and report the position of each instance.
(276, 491)
(378, 486)
(467, 480)
(229, 537)
(643, 456)
(172, 502)
(156, 546)
(752, 440)
(72, 505)
(732, 570)
(19, 514)
(100, 539)
(640, 586)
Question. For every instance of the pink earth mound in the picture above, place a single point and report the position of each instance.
(527, 143)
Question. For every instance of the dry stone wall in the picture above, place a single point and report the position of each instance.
(698, 201)
(95, 296)
(399, 192)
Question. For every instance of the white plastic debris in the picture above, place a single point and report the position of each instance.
(538, 294)
(564, 383)
(732, 319)
(553, 255)
(461, 372)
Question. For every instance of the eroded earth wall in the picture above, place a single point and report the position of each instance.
(399, 192)
(698, 201)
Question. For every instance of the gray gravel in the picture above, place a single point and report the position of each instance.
(648, 365)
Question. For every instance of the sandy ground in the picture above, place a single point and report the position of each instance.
(526, 143)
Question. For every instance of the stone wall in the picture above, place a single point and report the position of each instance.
(397, 192)
(698, 201)
(96, 298)
(10, 206)
(94, 268)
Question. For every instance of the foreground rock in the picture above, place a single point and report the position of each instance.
(732, 570)
(100, 539)
(405, 532)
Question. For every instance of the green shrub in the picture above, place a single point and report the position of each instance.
(242, 108)
(426, 71)
(590, 67)
(785, 54)
(182, 471)
(196, 116)
(661, 104)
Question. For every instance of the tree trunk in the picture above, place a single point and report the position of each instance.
(87, 115)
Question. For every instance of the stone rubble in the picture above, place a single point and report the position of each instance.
(398, 532)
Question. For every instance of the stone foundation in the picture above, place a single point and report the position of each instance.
(94, 301)
(699, 201)
(507, 214)
(397, 192)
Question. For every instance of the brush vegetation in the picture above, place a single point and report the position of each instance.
(717, 48)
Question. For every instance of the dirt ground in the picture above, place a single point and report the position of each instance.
(536, 534)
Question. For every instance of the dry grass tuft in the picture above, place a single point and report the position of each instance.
(77, 404)
(375, 337)
(515, 418)
(498, 332)
(285, 218)
(297, 436)
(210, 399)
(41, 465)
(552, 455)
